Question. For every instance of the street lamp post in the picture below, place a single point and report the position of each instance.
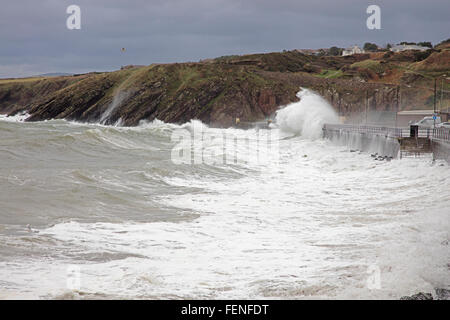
(367, 103)
(442, 77)
(397, 105)
(434, 105)
(339, 105)
(442, 91)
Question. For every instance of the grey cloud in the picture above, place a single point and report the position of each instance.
(34, 38)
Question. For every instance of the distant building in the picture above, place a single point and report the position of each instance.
(352, 50)
(403, 47)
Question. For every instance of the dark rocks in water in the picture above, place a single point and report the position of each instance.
(418, 296)
(441, 294)
(380, 157)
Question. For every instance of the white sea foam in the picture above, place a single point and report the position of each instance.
(118, 99)
(307, 116)
(138, 226)
(20, 117)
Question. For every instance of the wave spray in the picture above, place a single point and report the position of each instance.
(307, 116)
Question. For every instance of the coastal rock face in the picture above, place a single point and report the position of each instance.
(16, 94)
(267, 101)
(441, 294)
(418, 296)
(218, 91)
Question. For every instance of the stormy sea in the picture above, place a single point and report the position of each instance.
(181, 211)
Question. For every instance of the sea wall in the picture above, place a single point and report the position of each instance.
(441, 150)
(381, 144)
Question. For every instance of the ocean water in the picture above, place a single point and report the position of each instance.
(89, 211)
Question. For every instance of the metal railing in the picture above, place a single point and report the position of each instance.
(386, 131)
(442, 134)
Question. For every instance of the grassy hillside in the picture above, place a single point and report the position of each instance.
(216, 91)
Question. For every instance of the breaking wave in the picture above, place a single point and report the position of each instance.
(307, 116)
(310, 222)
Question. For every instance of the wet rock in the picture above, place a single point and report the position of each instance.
(418, 296)
(442, 294)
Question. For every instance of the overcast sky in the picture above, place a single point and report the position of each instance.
(34, 37)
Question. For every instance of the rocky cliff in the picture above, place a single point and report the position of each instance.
(217, 91)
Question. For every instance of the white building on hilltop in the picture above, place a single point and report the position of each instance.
(352, 50)
(403, 47)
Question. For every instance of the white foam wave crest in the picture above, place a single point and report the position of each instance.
(20, 117)
(307, 116)
(308, 222)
